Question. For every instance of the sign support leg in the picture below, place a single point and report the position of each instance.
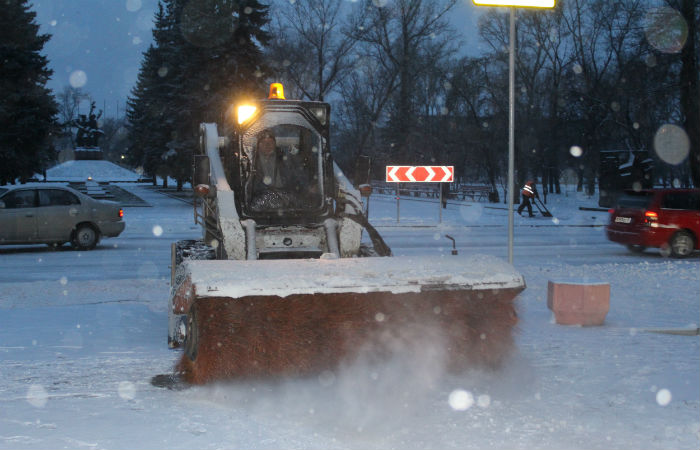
(397, 202)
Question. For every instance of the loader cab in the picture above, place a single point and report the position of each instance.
(285, 166)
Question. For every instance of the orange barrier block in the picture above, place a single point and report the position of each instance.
(579, 303)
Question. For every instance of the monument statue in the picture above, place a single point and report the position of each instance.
(88, 128)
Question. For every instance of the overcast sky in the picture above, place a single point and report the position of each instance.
(98, 44)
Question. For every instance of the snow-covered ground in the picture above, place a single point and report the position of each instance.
(98, 170)
(82, 333)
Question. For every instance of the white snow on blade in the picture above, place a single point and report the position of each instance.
(394, 274)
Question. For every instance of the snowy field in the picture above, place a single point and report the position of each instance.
(82, 333)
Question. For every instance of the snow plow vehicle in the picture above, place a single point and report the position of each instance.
(282, 284)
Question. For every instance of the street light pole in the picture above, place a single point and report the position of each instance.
(510, 189)
(511, 132)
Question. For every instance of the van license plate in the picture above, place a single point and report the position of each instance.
(623, 219)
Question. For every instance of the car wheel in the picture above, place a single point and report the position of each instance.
(636, 248)
(682, 244)
(85, 237)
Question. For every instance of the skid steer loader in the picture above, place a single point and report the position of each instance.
(281, 283)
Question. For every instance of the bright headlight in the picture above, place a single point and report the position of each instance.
(245, 112)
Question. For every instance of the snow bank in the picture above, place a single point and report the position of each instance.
(99, 170)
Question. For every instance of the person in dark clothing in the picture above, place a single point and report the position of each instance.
(529, 192)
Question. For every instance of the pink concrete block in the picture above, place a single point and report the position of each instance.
(579, 303)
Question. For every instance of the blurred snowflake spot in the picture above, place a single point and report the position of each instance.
(471, 213)
(327, 378)
(126, 390)
(663, 397)
(163, 71)
(379, 317)
(671, 144)
(63, 280)
(133, 5)
(484, 401)
(157, 230)
(576, 151)
(665, 29)
(460, 400)
(578, 69)
(436, 236)
(267, 180)
(637, 186)
(77, 79)
(379, 3)
(136, 40)
(54, 23)
(37, 396)
(650, 60)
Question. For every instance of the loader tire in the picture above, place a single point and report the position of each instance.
(191, 334)
(192, 249)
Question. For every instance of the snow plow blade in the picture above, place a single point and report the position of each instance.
(271, 318)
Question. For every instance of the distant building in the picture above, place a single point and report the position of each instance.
(620, 170)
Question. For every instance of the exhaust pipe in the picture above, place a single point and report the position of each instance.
(251, 249)
(331, 226)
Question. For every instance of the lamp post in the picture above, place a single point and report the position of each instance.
(511, 99)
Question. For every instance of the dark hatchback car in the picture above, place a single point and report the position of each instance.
(668, 219)
(43, 213)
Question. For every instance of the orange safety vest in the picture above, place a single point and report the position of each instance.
(528, 190)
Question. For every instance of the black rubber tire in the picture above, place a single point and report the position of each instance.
(681, 244)
(191, 334)
(85, 237)
(192, 249)
(636, 248)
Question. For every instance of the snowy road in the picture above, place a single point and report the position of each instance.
(81, 333)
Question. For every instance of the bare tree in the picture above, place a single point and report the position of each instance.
(69, 100)
(471, 102)
(310, 48)
(400, 37)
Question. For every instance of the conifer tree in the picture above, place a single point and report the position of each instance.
(27, 108)
(206, 53)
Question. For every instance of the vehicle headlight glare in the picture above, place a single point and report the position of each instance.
(245, 112)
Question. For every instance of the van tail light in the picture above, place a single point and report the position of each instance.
(121, 213)
(611, 211)
(651, 218)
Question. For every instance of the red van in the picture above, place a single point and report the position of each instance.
(668, 219)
